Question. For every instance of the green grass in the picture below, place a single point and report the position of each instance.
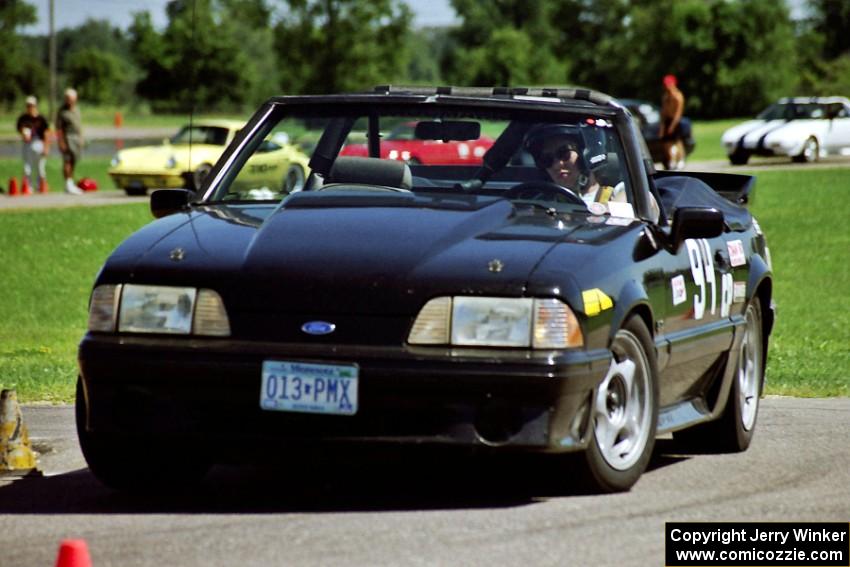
(94, 167)
(50, 259)
(707, 135)
(804, 216)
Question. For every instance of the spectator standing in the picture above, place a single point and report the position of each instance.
(672, 108)
(69, 134)
(34, 129)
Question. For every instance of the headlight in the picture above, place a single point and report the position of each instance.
(171, 163)
(116, 160)
(491, 321)
(496, 322)
(158, 309)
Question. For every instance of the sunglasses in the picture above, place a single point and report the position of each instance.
(561, 153)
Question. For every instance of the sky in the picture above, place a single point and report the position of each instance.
(72, 13)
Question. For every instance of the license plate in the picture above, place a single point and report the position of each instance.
(309, 388)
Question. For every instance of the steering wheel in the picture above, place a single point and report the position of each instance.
(545, 191)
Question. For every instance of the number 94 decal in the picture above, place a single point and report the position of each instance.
(706, 279)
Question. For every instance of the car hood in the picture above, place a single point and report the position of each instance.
(344, 256)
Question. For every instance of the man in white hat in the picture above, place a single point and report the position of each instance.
(33, 128)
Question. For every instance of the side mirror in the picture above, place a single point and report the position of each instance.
(695, 222)
(165, 202)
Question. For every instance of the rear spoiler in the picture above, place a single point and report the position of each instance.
(740, 189)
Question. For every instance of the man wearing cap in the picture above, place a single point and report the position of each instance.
(33, 128)
(672, 108)
(69, 134)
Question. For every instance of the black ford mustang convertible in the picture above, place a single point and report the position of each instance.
(555, 294)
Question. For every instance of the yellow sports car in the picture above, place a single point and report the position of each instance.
(185, 159)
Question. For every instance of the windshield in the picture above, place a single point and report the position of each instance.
(794, 111)
(566, 163)
(213, 135)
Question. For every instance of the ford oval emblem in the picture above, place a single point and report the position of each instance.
(318, 327)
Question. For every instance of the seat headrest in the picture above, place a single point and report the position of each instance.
(370, 171)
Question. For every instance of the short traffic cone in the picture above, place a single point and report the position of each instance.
(25, 186)
(73, 553)
(15, 451)
(13, 187)
(42, 185)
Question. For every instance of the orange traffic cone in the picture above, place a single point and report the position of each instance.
(25, 186)
(42, 185)
(13, 187)
(73, 553)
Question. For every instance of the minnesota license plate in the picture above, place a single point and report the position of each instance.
(309, 388)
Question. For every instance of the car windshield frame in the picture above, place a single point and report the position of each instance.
(555, 111)
(794, 111)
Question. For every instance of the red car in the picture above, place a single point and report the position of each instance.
(406, 142)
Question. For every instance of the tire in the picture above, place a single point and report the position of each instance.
(810, 152)
(133, 464)
(625, 413)
(293, 180)
(198, 176)
(733, 431)
(740, 157)
(136, 191)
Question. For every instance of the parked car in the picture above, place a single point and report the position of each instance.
(187, 158)
(804, 129)
(499, 306)
(404, 142)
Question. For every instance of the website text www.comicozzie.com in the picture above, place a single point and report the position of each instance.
(812, 544)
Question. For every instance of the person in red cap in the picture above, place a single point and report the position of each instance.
(672, 107)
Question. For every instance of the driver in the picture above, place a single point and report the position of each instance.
(560, 150)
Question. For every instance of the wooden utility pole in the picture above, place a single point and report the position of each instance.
(51, 98)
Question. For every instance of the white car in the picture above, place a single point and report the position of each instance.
(804, 129)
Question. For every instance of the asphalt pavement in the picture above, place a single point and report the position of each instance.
(425, 511)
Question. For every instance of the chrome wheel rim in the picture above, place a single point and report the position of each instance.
(200, 174)
(749, 371)
(622, 404)
(810, 150)
(294, 180)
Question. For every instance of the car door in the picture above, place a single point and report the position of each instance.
(700, 282)
(837, 140)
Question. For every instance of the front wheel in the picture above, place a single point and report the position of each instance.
(740, 157)
(810, 152)
(198, 176)
(293, 180)
(135, 464)
(625, 413)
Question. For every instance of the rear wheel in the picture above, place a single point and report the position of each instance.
(733, 432)
(134, 464)
(625, 413)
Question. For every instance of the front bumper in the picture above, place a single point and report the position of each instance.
(207, 392)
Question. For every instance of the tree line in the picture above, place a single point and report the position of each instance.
(732, 57)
